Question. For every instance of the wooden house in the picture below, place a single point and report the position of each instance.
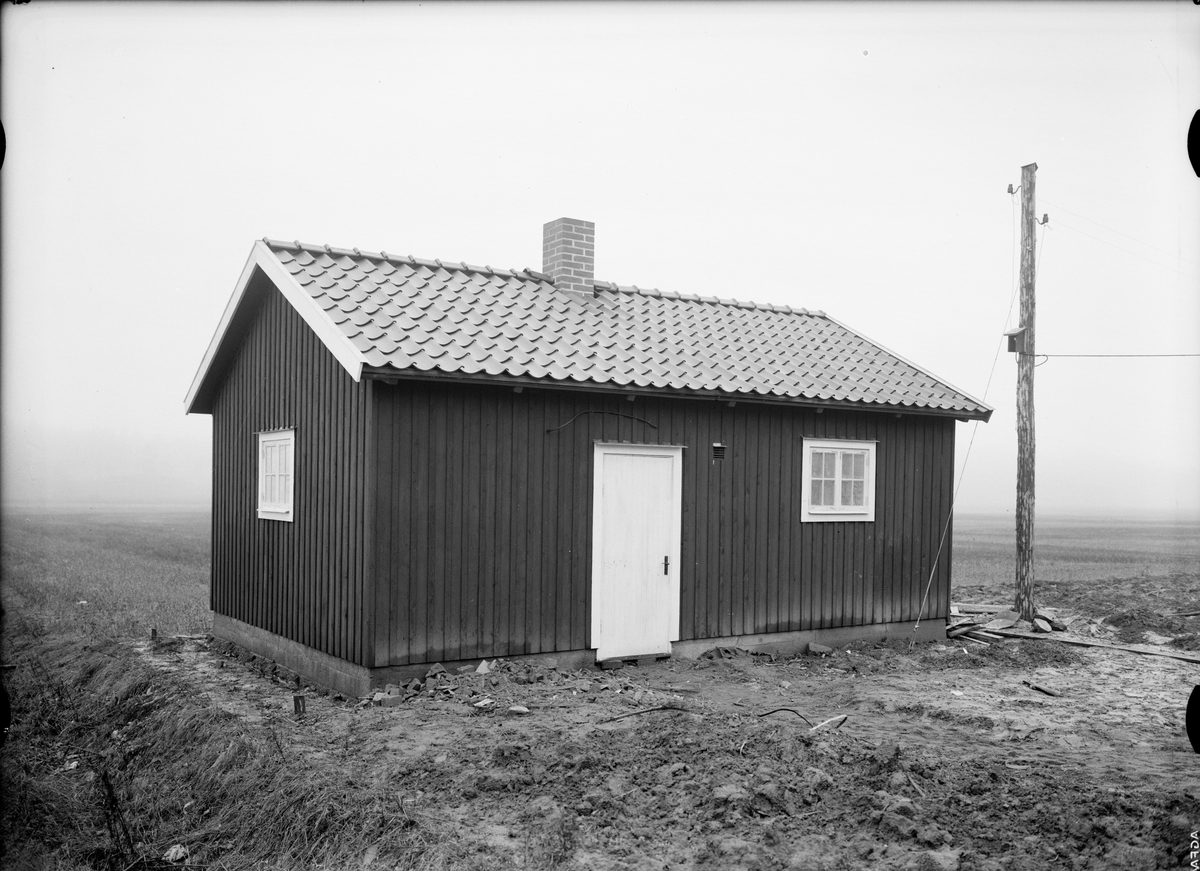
(419, 461)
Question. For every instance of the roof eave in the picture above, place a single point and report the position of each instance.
(387, 373)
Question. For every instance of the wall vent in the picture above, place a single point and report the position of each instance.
(718, 451)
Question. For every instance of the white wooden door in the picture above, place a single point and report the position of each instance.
(635, 549)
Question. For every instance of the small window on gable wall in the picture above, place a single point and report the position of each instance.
(276, 471)
(839, 481)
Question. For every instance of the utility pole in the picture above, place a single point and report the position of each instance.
(1025, 359)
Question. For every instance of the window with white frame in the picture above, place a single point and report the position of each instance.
(839, 480)
(276, 468)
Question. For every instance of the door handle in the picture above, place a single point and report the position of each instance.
(666, 565)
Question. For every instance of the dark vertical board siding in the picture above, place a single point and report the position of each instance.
(569, 484)
(871, 607)
(789, 535)
(392, 521)
(545, 615)
(420, 618)
(503, 481)
(891, 474)
(770, 523)
(742, 603)
(898, 523)
(376, 475)
(806, 558)
(489, 517)
(472, 581)
(395, 576)
(934, 518)
(927, 517)
(689, 548)
(857, 553)
(535, 498)
(726, 524)
(580, 464)
(272, 574)
(759, 518)
(946, 465)
(487, 509)
(912, 485)
(519, 448)
(708, 572)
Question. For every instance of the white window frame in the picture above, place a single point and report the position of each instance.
(278, 508)
(810, 513)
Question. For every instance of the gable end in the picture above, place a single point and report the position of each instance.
(234, 323)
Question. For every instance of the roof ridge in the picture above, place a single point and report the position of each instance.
(711, 300)
(612, 286)
(409, 259)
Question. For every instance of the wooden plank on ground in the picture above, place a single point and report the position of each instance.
(980, 609)
(1130, 648)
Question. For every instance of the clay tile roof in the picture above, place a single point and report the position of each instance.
(407, 313)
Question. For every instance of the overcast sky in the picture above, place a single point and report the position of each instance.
(849, 157)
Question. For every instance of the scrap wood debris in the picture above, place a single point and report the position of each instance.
(666, 707)
(482, 686)
(1143, 649)
(965, 608)
(831, 724)
(986, 620)
(1041, 689)
(731, 653)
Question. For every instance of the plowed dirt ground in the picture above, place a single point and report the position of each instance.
(945, 758)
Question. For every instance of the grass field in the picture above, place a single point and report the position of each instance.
(113, 760)
(113, 574)
(1072, 549)
(1098, 568)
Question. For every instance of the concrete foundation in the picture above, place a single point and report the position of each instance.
(312, 665)
(353, 680)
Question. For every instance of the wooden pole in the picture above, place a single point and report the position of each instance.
(1025, 435)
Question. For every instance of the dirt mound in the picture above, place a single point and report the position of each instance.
(1133, 625)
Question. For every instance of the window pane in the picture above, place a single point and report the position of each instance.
(857, 498)
(270, 494)
(816, 494)
(847, 494)
(818, 464)
(860, 465)
(827, 494)
(847, 464)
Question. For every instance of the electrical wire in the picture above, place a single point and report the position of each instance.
(1119, 233)
(1117, 355)
(617, 413)
(1059, 221)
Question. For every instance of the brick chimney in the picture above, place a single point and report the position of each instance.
(568, 254)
